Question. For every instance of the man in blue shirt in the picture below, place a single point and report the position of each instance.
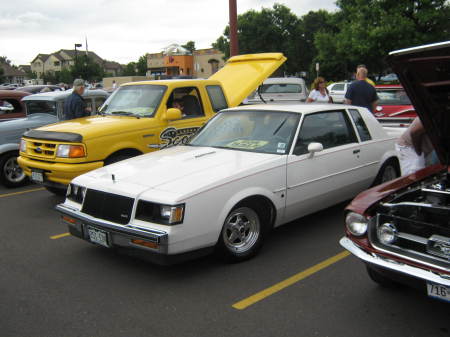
(361, 93)
(74, 105)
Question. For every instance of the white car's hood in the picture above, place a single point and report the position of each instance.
(179, 171)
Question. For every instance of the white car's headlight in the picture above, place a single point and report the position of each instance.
(158, 213)
(356, 223)
(70, 151)
(23, 145)
(76, 193)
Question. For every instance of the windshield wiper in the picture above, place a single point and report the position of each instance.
(123, 113)
(279, 127)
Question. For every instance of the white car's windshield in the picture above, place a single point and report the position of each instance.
(134, 100)
(250, 130)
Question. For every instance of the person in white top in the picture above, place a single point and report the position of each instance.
(319, 94)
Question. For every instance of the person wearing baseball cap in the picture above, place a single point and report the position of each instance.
(74, 105)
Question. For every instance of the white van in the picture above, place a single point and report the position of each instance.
(280, 89)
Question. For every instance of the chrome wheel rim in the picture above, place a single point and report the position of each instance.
(13, 171)
(241, 230)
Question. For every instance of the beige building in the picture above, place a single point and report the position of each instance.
(207, 62)
(64, 58)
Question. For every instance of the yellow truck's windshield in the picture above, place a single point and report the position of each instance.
(134, 100)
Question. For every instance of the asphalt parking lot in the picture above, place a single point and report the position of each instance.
(302, 283)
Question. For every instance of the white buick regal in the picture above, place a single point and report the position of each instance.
(248, 170)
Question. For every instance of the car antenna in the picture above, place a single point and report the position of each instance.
(259, 94)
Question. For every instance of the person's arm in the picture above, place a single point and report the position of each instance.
(79, 109)
(374, 106)
(417, 130)
(348, 95)
(311, 97)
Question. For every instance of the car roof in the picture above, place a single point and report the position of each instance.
(294, 80)
(13, 94)
(304, 108)
(61, 95)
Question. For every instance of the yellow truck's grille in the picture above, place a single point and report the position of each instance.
(42, 149)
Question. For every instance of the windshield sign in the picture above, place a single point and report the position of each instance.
(254, 131)
(134, 100)
(45, 107)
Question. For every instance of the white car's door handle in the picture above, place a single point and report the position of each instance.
(356, 151)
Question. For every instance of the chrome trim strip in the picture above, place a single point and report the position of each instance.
(414, 238)
(393, 265)
(434, 191)
(331, 175)
(160, 236)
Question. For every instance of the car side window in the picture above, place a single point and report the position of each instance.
(361, 126)
(338, 87)
(187, 99)
(98, 102)
(216, 97)
(331, 129)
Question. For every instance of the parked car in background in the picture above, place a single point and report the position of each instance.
(35, 89)
(250, 169)
(401, 229)
(279, 89)
(11, 106)
(337, 91)
(41, 109)
(394, 106)
(389, 78)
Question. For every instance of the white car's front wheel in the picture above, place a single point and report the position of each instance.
(242, 234)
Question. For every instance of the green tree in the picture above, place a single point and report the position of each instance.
(130, 69)
(270, 30)
(2, 73)
(86, 69)
(141, 66)
(190, 45)
(369, 29)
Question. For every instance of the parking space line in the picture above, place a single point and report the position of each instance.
(245, 303)
(59, 236)
(21, 192)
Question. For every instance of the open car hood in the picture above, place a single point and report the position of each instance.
(244, 73)
(424, 72)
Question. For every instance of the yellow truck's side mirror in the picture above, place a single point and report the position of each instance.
(173, 114)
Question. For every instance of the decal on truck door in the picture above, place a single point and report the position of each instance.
(172, 136)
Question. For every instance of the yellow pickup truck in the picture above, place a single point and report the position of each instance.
(137, 118)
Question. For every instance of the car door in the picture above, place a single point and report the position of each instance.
(337, 92)
(193, 117)
(319, 180)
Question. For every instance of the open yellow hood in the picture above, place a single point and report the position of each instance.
(244, 73)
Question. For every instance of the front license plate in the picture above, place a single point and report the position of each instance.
(37, 176)
(98, 236)
(438, 291)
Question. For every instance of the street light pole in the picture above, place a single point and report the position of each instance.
(76, 54)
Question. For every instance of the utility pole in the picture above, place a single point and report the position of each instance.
(234, 45)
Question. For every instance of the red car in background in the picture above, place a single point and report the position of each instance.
(394, 106)
(11, 106)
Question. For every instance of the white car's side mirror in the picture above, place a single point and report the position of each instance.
(314, 147)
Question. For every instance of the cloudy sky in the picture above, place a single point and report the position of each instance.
(120, 30)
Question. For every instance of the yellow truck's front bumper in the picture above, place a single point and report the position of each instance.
(61, 173)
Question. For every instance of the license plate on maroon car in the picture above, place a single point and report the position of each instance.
(438, 291)
(98, 236)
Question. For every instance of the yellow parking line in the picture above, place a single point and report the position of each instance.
(288, 282)
(59, 236)
(22, 192)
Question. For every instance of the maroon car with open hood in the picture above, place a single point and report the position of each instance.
(401, 229)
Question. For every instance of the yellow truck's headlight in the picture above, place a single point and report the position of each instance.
(23, 145)
(70, 151)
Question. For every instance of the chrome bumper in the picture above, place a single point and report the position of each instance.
(120, 235)
(390, 264)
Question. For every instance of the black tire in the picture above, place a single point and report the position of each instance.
(11, 174)
(56, 190)
(116, 158)
(380, 279)
(389, 171)
(242, 234)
